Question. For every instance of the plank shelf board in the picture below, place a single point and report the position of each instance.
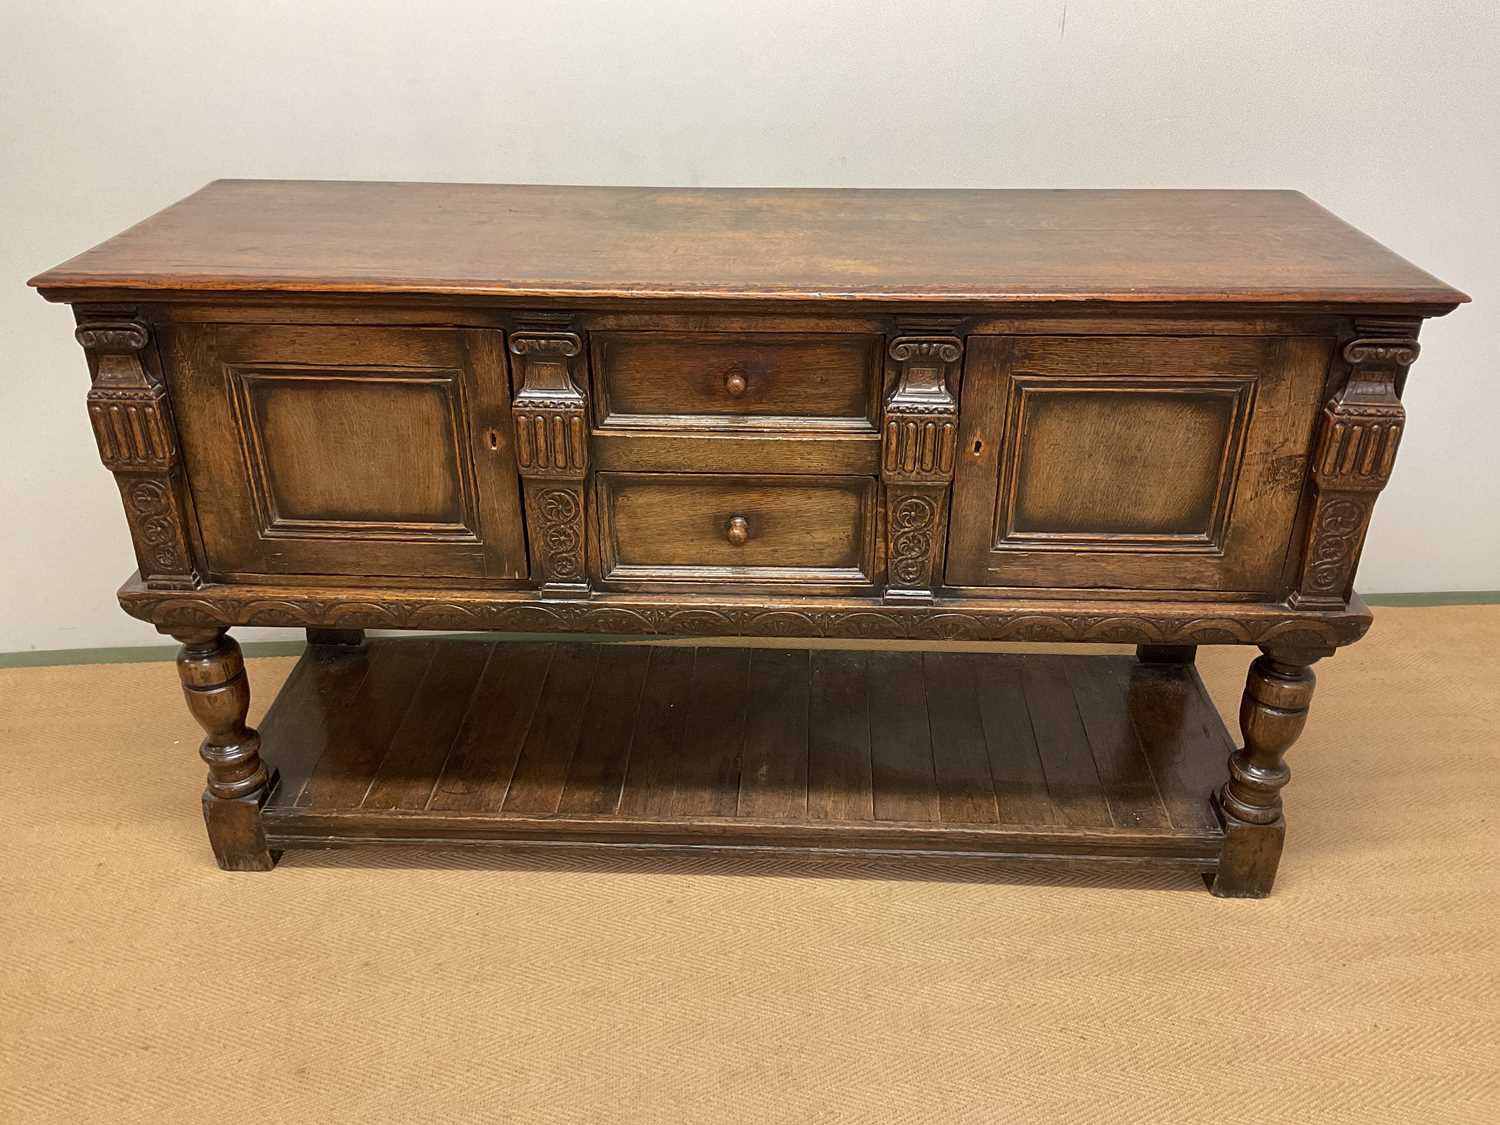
(791, 751)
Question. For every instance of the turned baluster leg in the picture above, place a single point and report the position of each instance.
(218, 695)
(1273, 712)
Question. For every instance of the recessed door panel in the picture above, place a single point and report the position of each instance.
(361, 451)
(318, 464)
(1136, 463)
(1102, 462)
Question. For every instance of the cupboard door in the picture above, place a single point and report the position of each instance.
(1133, 463)
(349, 450)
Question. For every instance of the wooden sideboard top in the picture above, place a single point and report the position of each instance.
(612, 243)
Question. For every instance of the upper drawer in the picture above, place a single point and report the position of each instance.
(667, 380)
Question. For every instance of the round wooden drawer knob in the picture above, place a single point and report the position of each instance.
(738, 531)
(736, 383)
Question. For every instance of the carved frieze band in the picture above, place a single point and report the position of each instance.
(137, 438)
(1356, 450)
(550, 411)
(920, 442)
(1000, 621)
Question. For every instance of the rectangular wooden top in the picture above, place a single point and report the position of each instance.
(519, 242)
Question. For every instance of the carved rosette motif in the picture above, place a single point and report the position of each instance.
(132, 421)
(919, 446)
(913, 520)
(559, 515)
(151, 509)
(1338, 530)
(550, 413)
(1356, 451)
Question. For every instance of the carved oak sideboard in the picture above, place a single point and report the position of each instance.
(1159, 418)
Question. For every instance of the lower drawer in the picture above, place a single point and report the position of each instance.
(670, 529)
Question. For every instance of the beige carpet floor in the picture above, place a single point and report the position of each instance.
(140, 984)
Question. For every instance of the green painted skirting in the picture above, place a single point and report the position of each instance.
(57, 656)
(43, 658)
(47, 657)
(1449, 597)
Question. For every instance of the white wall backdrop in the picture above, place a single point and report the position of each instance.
(1386, 111)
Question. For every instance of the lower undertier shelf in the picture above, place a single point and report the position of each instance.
(812, 752)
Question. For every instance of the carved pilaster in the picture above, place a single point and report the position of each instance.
(918, 449)
(1356, 450)
(137, 437)
(551, 419)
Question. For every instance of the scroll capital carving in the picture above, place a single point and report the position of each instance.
(1383, 342)
(112, 336)
(562, 344)
(1395, 353)
(943, 349)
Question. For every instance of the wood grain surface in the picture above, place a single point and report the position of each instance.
(533, 241)
(719, 747)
